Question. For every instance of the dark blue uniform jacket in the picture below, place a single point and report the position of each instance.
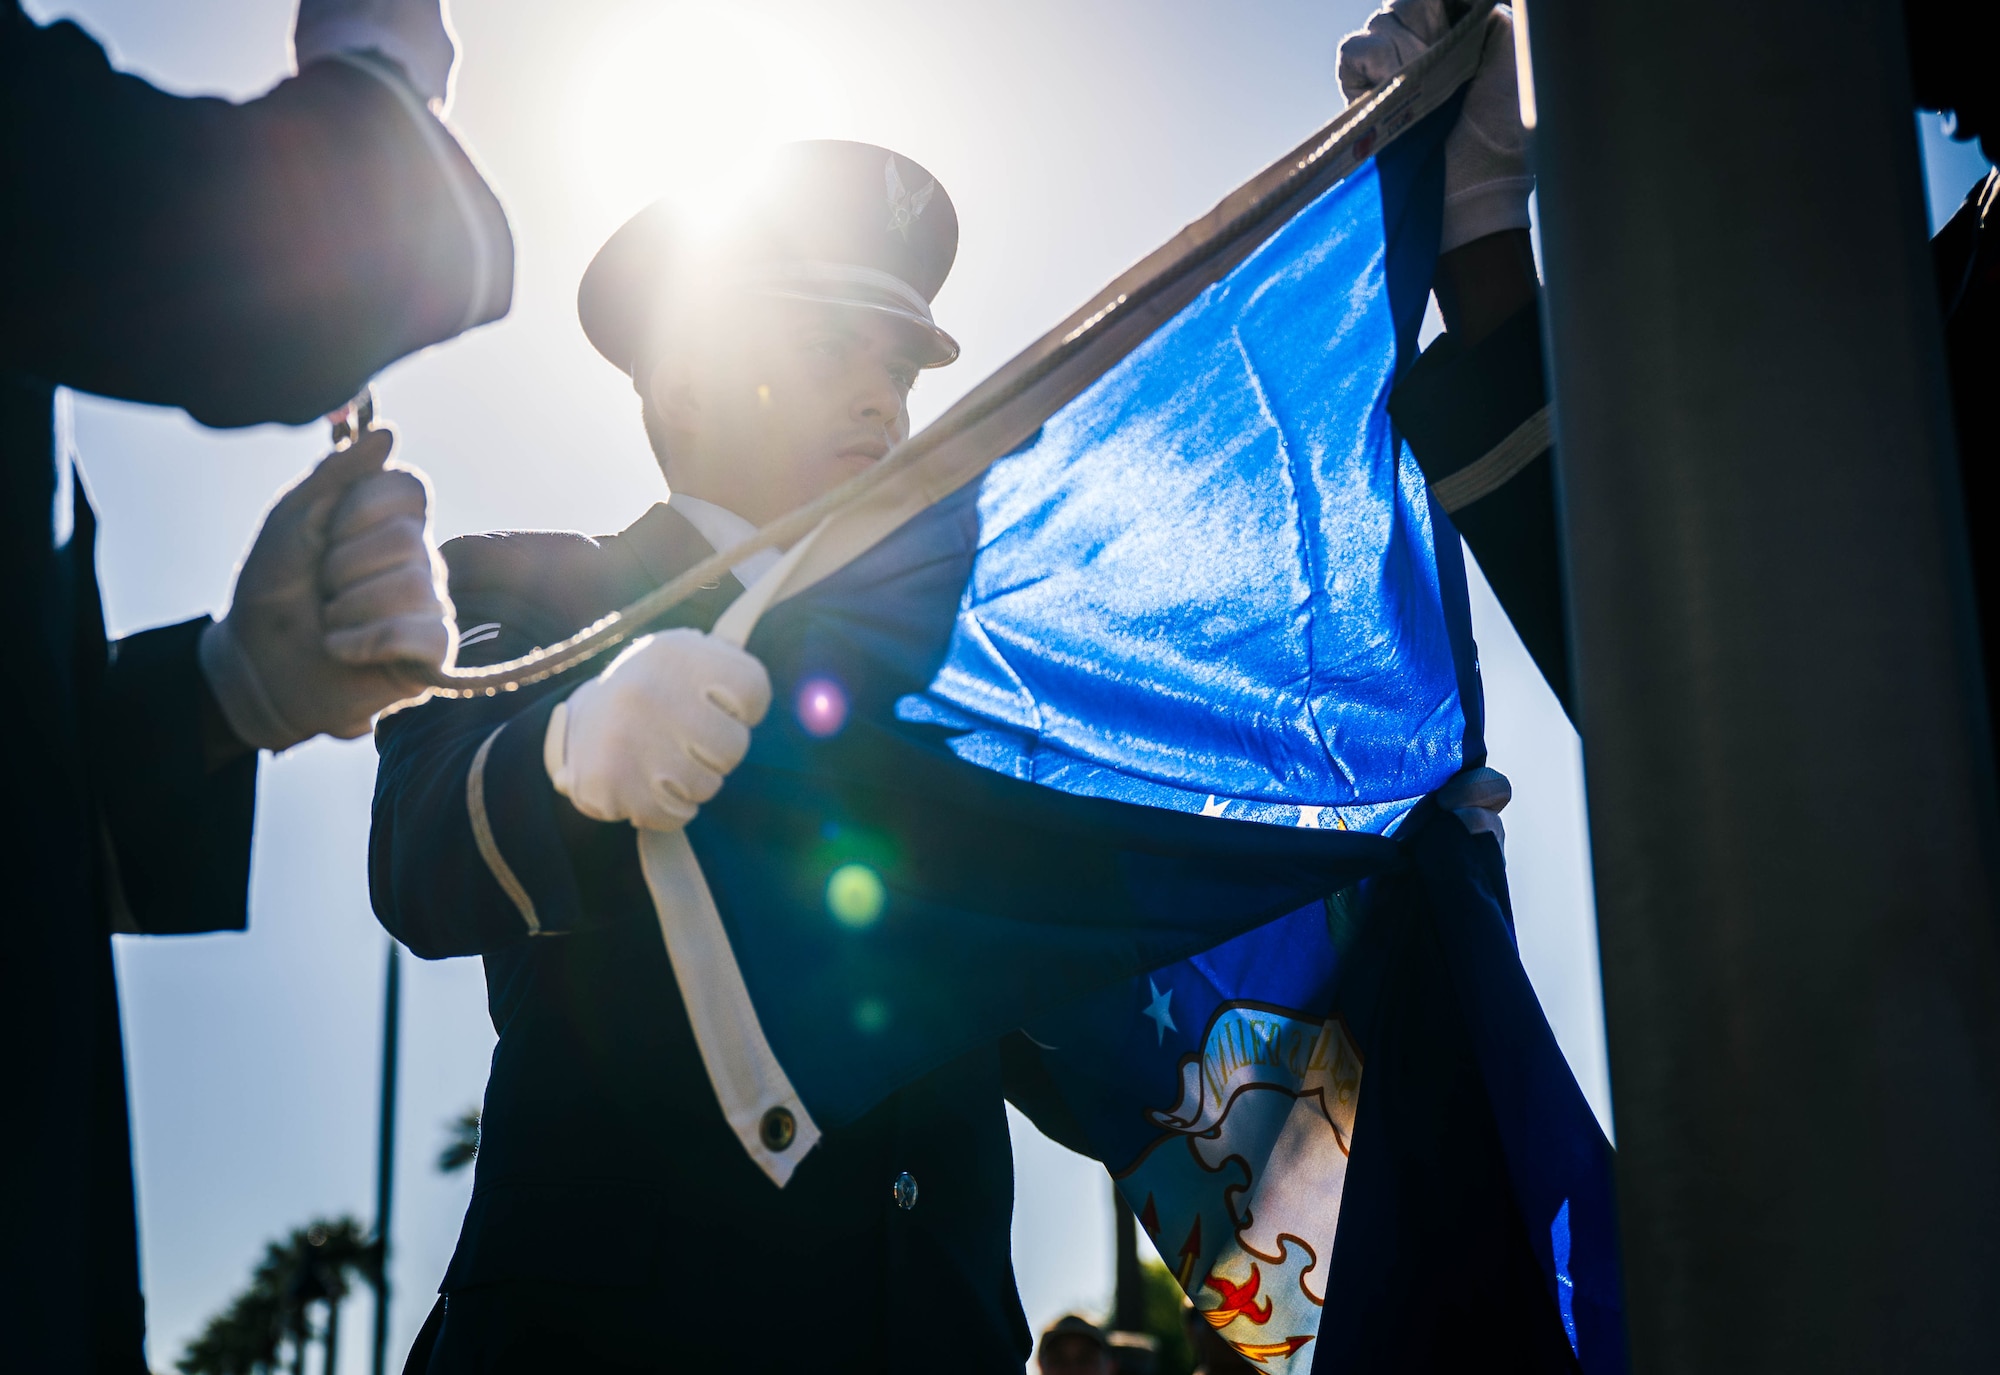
(250, 263)
(615, 1219)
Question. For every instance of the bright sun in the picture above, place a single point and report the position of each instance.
(680, 101)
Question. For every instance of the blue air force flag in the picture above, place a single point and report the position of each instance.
(1117, 712)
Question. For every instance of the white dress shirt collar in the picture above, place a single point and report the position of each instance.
(724, 529)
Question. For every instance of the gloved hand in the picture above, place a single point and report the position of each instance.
(339, 608)
(414, 34)
(1486, 177)
(649, 739)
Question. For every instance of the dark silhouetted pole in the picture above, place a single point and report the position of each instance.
(385, 1157)
(1790, 806)
(1128, 1294)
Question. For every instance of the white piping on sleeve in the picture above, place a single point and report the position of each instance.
(489, 848)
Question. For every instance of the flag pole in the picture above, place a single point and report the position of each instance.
(385, 1154)
(1791, 803)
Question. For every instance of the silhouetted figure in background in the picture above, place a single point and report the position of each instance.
(1073, 1345)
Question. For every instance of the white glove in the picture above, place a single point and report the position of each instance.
(650, 739)
(339, 608)
(414, 34)
(1486, 177)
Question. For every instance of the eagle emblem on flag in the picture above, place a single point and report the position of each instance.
(1241, 1191)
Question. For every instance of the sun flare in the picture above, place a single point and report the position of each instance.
(679, 102)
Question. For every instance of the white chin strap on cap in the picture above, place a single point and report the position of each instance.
(854, 286)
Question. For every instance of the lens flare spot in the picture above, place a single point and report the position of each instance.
(821, 707)
(871, 1015)
(855, 896)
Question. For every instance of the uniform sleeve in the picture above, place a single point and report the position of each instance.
(250, 263)
(472, 849)
(178, 835)
(1455, 406)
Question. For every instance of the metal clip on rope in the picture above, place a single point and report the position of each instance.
(353, 419)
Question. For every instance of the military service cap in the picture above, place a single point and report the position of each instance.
(846, 224)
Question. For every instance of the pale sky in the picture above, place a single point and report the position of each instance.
(1073, 139)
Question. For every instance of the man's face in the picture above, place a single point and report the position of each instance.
(799, 399)
(1073, 1355)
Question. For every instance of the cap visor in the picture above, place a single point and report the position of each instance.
(935, 347)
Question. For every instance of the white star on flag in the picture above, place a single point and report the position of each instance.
(1163, 1019)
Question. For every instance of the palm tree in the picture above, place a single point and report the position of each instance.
(328, 1254)
(462, 1145)
(314, 1264)
(243, 1339)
